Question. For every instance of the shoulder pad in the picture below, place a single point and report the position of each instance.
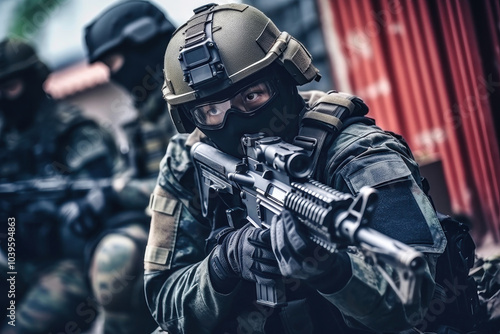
(333, 108)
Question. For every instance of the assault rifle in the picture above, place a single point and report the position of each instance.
(24, 200)
(54, 189)
(274, 176)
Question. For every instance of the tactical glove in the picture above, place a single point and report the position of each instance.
(44, 210)
(83, 216)
(246, 254)
(37, 237)
(299, 257)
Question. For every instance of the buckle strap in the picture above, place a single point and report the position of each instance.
(327, 119)
(162, 204)
(307, 143)
(195, 31)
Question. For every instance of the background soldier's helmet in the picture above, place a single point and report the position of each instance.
(129, 23)
(219, 48)
(17, 57)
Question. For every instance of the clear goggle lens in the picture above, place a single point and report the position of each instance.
(212, 115)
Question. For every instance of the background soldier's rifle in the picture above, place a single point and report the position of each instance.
(51, 188)
(35, 204)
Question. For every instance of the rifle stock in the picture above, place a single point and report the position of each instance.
(272, 177)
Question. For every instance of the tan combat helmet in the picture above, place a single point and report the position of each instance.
(219, 47)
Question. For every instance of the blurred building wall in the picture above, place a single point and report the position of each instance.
(87, 86)
(429, 70)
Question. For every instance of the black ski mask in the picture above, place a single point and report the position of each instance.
(142, 70)
(21, 111)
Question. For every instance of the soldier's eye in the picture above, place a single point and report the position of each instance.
(252, 97)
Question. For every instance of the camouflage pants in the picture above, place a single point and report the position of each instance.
(116, 276)
(56, 300)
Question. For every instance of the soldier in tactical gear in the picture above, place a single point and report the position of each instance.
(229, 71)
(130, 38)
(41, 138)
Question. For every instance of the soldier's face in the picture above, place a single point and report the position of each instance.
(114, 62)
(248, 100)
(11, 89)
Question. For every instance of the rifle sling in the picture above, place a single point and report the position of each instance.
(319, 126)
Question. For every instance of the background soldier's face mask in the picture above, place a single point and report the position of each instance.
(140, 70)
(20, 108)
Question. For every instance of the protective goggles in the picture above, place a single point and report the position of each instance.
(247, 102)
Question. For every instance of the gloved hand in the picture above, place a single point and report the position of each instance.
(37, 237)
(44, 210)
(245, 254)
(299, 257)
(83, 216)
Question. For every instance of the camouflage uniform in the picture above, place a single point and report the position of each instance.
(117, 258)
(51, 291)
(135, 32)
(180, 294)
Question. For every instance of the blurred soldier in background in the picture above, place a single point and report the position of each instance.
(130, 39)
(41, 139)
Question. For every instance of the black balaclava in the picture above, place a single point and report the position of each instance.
(142, 71)
(21, 111)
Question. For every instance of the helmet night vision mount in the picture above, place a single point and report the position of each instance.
(200, 59)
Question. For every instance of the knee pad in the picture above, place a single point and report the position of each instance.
(116, 272)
